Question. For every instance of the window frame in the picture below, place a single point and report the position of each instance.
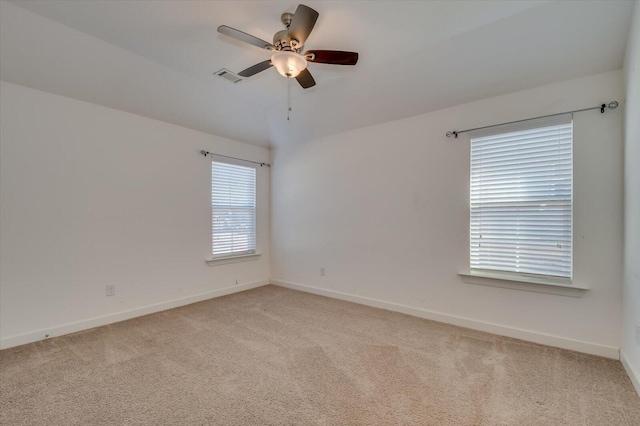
(523, 277)
(230, 256)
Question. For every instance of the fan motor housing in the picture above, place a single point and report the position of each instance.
(282, 41)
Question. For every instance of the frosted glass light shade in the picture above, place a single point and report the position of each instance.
(288, 64)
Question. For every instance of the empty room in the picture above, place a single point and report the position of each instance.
(327, 213)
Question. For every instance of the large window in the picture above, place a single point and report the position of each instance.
(233, 206)
(521, 199)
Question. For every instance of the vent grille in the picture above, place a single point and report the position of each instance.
(228, 75)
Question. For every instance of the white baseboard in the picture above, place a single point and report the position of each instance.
(11, 341)
(633, 374)
(503, 330)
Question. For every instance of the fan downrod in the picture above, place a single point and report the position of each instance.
(286, 19)
(282, 40)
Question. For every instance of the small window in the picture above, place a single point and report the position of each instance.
(233, 207)
(522, 199)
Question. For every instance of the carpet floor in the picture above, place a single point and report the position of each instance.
(273, 356)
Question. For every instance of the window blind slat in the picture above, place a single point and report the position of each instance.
(521, 199)
(495, 146)
(233, 207)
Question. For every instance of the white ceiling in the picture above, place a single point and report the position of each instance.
(156, 58)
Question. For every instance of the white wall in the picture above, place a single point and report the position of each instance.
(385, 210)
(92, 196)
(631, 291)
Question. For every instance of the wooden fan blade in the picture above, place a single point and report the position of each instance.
(305, 79)
(242, 36)
(253, 70)
(303, 21)
(336, 57)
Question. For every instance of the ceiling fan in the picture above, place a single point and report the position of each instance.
(287, 46)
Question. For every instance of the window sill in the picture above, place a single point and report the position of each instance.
(557, 286)
(232, 259)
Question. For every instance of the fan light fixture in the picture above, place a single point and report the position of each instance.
(289, 64)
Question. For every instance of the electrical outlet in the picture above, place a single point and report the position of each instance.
(638, 333)
(323, 271)
(111, 290)
(236, 282)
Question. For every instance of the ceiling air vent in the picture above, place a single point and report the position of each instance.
(228, 75)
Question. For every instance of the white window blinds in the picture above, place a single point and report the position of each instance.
(233, 202)
(521, 198)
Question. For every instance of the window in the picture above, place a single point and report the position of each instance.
(233, 207)
(522, 199)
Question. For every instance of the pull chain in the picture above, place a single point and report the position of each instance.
(289, 99)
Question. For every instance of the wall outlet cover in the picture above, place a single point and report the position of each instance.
(111, 290)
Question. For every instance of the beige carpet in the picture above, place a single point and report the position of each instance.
(273, 356)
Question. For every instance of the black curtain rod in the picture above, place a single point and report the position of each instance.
(205, 153)
(610, 105)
